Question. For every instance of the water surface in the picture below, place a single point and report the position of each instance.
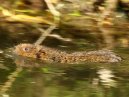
(23, 77)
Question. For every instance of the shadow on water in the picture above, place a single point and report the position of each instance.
(25, 77)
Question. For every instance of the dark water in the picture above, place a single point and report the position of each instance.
(22, 77)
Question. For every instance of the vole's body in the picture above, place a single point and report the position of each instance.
(52, 55)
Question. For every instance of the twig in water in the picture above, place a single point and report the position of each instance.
(59, 37)
(52, 8)
(45, 33)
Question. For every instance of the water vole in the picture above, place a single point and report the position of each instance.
(51, 55)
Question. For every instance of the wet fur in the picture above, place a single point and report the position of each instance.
(52, 55)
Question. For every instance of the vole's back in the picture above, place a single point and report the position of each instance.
(52, 55)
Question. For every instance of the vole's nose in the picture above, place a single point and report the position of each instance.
(14, 50)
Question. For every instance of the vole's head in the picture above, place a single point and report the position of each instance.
(28, 50)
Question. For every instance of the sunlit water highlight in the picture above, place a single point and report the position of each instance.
(24, 77)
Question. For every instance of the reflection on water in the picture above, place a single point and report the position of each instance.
(25, 77)
(86, 80)
(106, 76)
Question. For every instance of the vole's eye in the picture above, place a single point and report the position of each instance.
(26, 49)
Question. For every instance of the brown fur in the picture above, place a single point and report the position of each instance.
(52, 55)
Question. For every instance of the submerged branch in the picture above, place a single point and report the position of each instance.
(11, 79)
